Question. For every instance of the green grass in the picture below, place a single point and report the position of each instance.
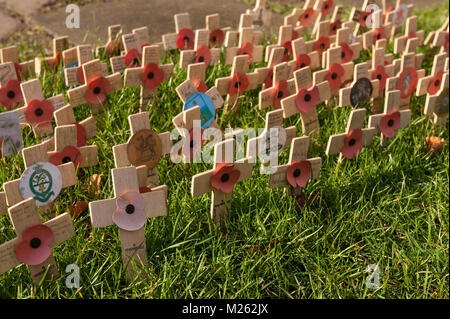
(388, 207)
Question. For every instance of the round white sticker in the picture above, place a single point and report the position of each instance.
(41, 181)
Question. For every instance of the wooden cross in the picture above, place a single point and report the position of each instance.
(437, 104)
(323, 39)
(361, 16)
(11, 142)
(281, 88)
(232, 37)
(129, 210)
(441, 40)
(406, 79)
(410, 32)
(143, 150)
(349, 144)
(34, 241)
(411, 47)
(336, 73)
(216, 33)
(432, 83)
(143, 36)
(362, 90)
(371, 37)
(220, 180)
(350, 51)
(132, 57)
(326, 7)
(398, 16)
(114, 44)
(23, 69)
(291, 20)
(431, 37)
(196, 73)
(184, 36)
(261, 16)
(309, 94)
(266, 73)
(245, 47)
(96, 87)
(201, 52)
(149, 76)
(238, 82)
(274, 121)
(303, 57)
(59, 45)
(392, 119)
(41, 180)
(382, 69)
(285, 37)
(298, 171)
(38, 111)
(10, 93)
(86, 129)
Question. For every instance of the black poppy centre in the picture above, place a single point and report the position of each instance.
(379, 77)
(280, 94)
(201, 59)
(297, 172)
(437, 83)
(129, 209)
(66, 160)
(35, 242)
(11, 94)
(39, 112)
(390, 122)
(225, 177)
(352, 142)
(97, 90)
(213, 38)
(302, 65)
(308, 97)
(150, 75)
(237, 84)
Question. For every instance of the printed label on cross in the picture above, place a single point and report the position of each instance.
(96, 88)
(10, 93)
(23, 69)
(132, 57)
(38, 111)
(34, 241)
(143, 150)
(392, 119)
(281, 87)
(41, 180)
(437, 104)
(10, 134)
(221, 179)
(201, 51)
(52, 63)
(114, 45)
(299, 170)
(150, 76)
(308, 95)
(349, 144)
(410, 32)
(129, 210)
(184, 36)
(238, 82)
(246, 46)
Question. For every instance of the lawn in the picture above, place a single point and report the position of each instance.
(389, 207)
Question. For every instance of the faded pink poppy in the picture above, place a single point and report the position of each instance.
(97, 88)
(390, 123)
(11, 94)
(306, 17)
(130, 211)
(307, 99)
(378, 34)
(34, 248)
(298, 173)
(326, 7)
(203, 54)
(225, 177)
(352, 144)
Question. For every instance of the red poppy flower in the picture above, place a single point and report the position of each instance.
(225, 177)
(268, 82)
(80, 75)
(152, 76)
(216, 38)
(113, 48)
(378, 34)
(203, 54)
(194, 144)
(380, 74)
(34, 248)
(335, 26)
(185, 40)
(346, 53)
(247, 49)
(411, 35)
(287, 51)
(321, 44)
(133, 58)
(352, 144)
(303, 60)
(326, 7)
(97, 88)
(306, 17)
(11, 94)
(334, 76)
(39, 112)
(67, 155)
(144, 190)
(200, 86)
(407, 82)
(435, 83)
(279, 92)
(81, 135)
(363, 17)
(307, 98)
(54, 62)
(298, 173)
(294, 35)
(238, 84)
(390, 123)
(130, 211)
(18, 69)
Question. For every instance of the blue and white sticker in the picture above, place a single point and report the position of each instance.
(207, 108)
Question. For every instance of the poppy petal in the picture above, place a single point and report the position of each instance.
(185, 39)
(390, 123)
(352, 144)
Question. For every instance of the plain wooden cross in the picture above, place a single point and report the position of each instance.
(86, 129)
(431, 37)
(184, 36)
(220, 180)
(133, 54)
(114, 44)
(52, 62)
(38, 111)
(432, 83)
(437, 104)
(441, 40)
(336, 73)
(47, 184)
(299, 167)
(349, 144)
(274, 121)
(362, 90)
(23, 69)
(410, 32)
(34, 240)
(238, 82)
(308, 94)
(10, 93)
(245, 47)
(129, 210)
(266, 73)
(216, 33)
(149, 76)
(232, 37)
(282, 87)
(392, 119)
(292, 20)
(201, 51)
(143, 150)
(96, 84)
(261, 16)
